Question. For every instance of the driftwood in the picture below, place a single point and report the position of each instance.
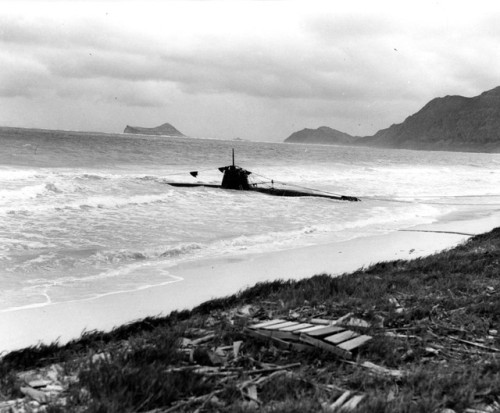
(37, 395)
(272, 369)
(471, 343)
(374, 368)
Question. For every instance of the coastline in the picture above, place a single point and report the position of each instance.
(211, 278)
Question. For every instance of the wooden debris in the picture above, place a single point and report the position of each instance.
(356, 322)
(267, 323)
(99, 357)
(272, 369)
(322, 321)
(331, 337)
(285, 345)
(204, 339)
(328, 347)
(340, 401)
(341, 337)
(280, 326)
(395, 303)
(353, 402)
(354, 343)
(37, 395)
(383, 371)
(308, 330)
(36, 384)
(323, 332)
(236, 348)
(251, 393)
(471, 343)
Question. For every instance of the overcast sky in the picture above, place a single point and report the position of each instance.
(256, 70)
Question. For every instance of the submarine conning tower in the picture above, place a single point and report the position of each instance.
(235, 177)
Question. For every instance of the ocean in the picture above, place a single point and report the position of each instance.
(84, 215)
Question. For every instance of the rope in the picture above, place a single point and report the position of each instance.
(428, 203)
(298, 186)
(437, 232)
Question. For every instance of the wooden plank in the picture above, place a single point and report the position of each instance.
(283, 335)
(266, 336)
(280, 325)
(296, 327)
(301, 346)
(325, 331)
(312, 328)
(267, 323)
(357, 322)
(353, 402)
(322, 321)
(340, 337)
(256, 333)
(383, 370)
(356, 342)
(289, 332)
(325, 346)
(285, 345)
(340, 401)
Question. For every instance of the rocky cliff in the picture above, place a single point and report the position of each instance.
(165, 129)
(452, 123)
(323, 134)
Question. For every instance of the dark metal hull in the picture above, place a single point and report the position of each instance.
(273, 191)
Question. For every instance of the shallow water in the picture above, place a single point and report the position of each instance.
(86, 214)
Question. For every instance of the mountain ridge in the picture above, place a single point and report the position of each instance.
(452, 123)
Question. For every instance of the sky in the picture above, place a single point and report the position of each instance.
(257, 70)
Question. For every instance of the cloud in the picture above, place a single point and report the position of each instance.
(21, 76)
(252, 69)
(255, 66)
(316, 63)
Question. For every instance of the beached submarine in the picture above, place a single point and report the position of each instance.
(237, 178)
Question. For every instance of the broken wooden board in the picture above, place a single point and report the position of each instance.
(283, 344)
(290, 334)
(268, 323)
(346, 402)
(341, 337)
(354, 343)
(318, 343)
(288, 330)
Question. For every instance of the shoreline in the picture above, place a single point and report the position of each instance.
(217, 277)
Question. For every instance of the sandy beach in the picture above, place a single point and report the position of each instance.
(196, 282)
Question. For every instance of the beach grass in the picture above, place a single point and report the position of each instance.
(436, 320)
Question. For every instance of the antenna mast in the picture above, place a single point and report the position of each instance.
(233, 156)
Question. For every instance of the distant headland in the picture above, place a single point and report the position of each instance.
(165, 129)
(450, 123)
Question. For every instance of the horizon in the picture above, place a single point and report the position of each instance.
(226, 70)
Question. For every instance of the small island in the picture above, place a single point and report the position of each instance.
(165, 129)
(322, 135)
